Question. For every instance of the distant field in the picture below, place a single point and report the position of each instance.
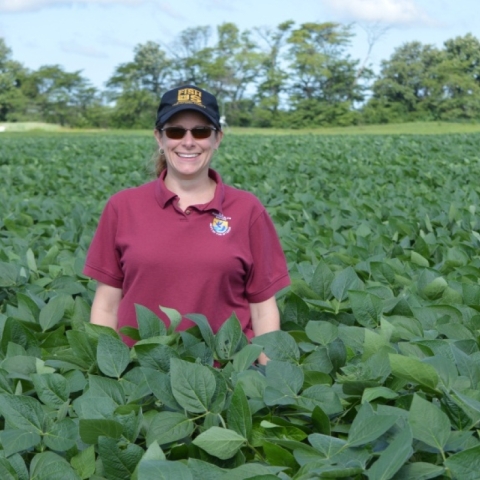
(376, 371)
(417, 128)
(29, 126)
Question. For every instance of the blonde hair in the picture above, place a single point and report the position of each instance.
(159, 163)
(158, 158)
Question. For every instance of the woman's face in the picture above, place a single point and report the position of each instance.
(188, 157)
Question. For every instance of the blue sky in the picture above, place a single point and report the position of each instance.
(95, 36)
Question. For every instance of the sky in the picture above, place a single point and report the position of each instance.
(95, 36)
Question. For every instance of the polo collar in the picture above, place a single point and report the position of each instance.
(165, 197)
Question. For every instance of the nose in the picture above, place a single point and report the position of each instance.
(188, 138)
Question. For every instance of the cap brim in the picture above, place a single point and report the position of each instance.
(181, 108)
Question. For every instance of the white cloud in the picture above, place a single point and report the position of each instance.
(394, 12)
(14, 6)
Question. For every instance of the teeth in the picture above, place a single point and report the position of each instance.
(184, 155)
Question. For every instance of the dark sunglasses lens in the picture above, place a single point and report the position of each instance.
(201, 132)
(175, 132)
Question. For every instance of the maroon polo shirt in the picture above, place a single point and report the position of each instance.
(213, 259)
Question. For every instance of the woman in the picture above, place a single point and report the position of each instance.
(186, 240)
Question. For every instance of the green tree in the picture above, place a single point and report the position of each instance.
(136, 86)
(150, 70)
(324, 82)
(12, 100)
(459, 72)
(191, 56)
(273, 75)
(60, 97)
(408, 86)
(234, 71)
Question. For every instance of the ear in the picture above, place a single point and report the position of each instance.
(218, 139)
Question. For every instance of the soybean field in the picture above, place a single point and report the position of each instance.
(374, 375)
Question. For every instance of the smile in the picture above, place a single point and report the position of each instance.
(188, 155)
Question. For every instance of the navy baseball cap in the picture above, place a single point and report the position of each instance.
(188, 97)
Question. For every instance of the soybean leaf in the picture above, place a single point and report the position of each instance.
(367, 426)
(51, 388)
(53, 311)
(322, 396)
(419, 471)
(106, 387)
(118, 462)
(167, 427)
(278, 345)
(220, 442)
(296, 310)
(161, 386)
(193, 385)
(174, 317)
(467, 366)
(154, 452)
(95, 331)
(14, 441)
(82, 346)
(429, 424)
(320, 421)
(7, 472)
(322, 280)
(465, 464)
(62, 435)
(277, 455)
(90, 430)
(239, 416)
(24, 413)
(229, 339)
(50, 466)
(149, 324)
(219, 397)
(468, 404)
(343, 282)
(113, 356)
(366, 307)
(328, 446)
(284, 377)
(321, 332)
(88, 406)
(205, 329)
(393, 457)
(84, 462)
(163, 470)
(370, 394)
(245, 358)
(9, 274)
(414, 371)
(155, 355)
(206, 470)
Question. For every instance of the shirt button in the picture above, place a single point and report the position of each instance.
(188, 211)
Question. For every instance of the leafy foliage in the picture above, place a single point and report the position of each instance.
(375, 373)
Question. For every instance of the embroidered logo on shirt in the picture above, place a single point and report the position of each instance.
(220, 225)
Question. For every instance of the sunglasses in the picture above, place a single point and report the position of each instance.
(177, 133)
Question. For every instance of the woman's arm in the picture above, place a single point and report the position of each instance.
(105, 305)
(265, 318)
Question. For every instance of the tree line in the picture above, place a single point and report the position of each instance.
(288, 76)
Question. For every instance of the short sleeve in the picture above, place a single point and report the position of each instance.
(269, 272)
(103, 258)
